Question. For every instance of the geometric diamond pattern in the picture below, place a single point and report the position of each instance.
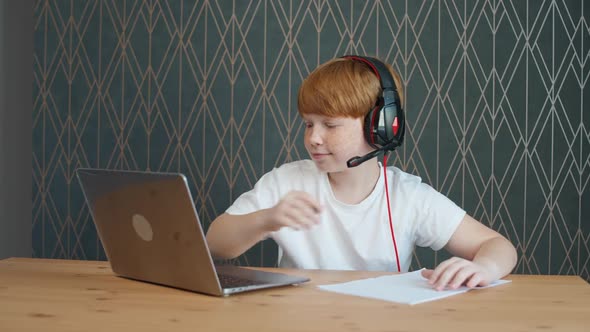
(495, 100)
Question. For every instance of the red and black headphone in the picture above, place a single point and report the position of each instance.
(384, 125)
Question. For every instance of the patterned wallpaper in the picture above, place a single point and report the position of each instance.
(495, 91)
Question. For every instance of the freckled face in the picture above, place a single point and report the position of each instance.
(331, 142)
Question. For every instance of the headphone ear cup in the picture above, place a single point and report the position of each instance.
(369, 127)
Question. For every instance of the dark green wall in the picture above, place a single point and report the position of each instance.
(16, 107)
(495, 96)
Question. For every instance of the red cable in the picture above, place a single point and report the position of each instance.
(389, 211)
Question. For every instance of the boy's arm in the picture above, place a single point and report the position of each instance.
(229, 236)
(484, 256)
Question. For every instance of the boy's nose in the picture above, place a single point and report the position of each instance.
(315, 136)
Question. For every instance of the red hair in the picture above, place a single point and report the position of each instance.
(342, 88)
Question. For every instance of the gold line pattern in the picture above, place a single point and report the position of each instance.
(495, 95)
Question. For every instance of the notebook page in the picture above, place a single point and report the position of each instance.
(408, 288)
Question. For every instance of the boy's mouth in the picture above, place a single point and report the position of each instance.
(319, 155)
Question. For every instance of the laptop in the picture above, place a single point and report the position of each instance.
(150, 231)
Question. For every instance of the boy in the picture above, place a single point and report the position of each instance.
(324, 214)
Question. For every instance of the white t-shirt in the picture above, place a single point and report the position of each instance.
(355, 237)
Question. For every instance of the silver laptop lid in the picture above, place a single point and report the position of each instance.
(149, 228)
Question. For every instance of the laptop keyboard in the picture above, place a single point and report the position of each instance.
(230, 281)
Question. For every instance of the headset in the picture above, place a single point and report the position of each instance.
(384, 125)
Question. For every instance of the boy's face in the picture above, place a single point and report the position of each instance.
(332, 141)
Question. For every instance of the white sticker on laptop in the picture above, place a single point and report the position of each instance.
(142, 227)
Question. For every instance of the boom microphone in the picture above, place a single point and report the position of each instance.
(355, 161)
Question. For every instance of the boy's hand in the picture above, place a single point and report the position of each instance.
(456, 272)
(297, 210)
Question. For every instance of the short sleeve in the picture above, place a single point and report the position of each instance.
(264, 195)
(437, 218)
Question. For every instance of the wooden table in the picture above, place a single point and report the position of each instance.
(66, 295)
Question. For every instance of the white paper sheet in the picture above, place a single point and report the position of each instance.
(408, 288)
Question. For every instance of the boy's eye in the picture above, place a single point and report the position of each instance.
(330, 125)
(308, 125)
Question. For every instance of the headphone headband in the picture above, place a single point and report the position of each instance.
(380, 70)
